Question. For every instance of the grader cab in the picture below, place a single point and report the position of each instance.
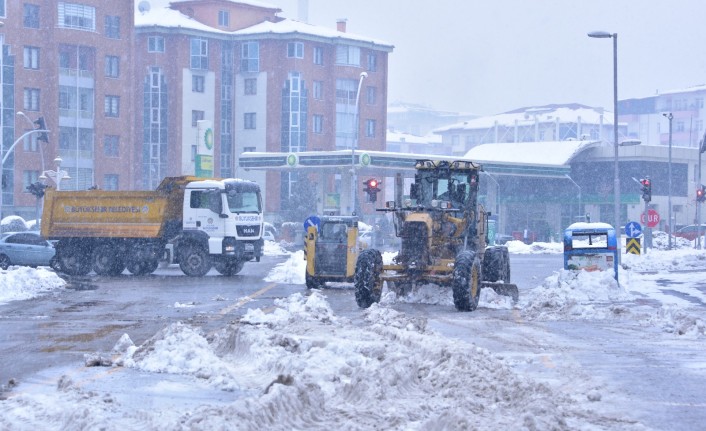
(443, 233)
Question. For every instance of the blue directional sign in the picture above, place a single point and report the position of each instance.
(312, 221)
(633, 229)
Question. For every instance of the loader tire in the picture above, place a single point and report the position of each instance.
(194, 260)
(314, 282)
(466, 282)
(496, 264)
(229, 267)
(106, 260)
(368, 286)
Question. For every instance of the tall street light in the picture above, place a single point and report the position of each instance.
(616, 177)
(356, 126)
(669, 116)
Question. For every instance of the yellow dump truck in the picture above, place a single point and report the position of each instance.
(196, 223)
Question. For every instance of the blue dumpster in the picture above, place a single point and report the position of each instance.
(591, 247)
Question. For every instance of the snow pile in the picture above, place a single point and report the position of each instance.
(13, 223)
(519, 247)
(17, 283)
(659, 260)
(574, 295)
(274, 249)
(291, 271)
(301, 367)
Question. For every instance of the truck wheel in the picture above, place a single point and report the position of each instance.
(496, 264)
(106, 260)
(142, 267)
(368, 286)
(194, 260)
(466, 281)
(74, 260)
(314, 282)
(229, 267)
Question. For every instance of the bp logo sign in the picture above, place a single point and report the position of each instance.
(208, 139)
(365, 159)
(292, 160)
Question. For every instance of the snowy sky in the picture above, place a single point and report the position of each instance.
(486, 57)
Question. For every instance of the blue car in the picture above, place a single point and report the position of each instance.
(26, 249)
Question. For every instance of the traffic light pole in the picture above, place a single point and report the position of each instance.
(3, 158)
(702, 148)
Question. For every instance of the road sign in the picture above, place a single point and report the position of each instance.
(652, 218)
(633, 229)
(633, 246)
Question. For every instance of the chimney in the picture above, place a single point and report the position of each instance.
(341, 25)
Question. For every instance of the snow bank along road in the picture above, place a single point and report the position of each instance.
(577, 352)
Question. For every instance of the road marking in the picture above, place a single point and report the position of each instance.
(247, 299)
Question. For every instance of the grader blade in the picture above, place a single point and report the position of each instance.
(505, 289)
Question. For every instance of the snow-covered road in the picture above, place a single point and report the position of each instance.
(577, 352)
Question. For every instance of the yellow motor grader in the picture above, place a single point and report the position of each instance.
(443, 232)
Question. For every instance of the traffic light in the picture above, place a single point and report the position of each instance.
(37, 189)
(701, 193)
(372, 188)
(41, 125)
(646, 189)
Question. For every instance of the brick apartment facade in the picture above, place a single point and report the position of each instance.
(70, 63)
(123, 88)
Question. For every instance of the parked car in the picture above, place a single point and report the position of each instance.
(267, 235)
(690, 232)
(26, 249)
(502, 239)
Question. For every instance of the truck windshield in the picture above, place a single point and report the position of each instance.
(244, 202)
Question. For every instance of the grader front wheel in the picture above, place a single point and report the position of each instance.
(466, 282)
(368, 286)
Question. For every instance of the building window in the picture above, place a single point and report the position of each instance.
(198, 83)
(30, 15)
(155, 44)
(250, 57)
(679, 126)
(199, 53)
(250, 86)
(31, 57)
(372, 62)
(112, 106)
(112, 66)
(75, 15)
(318, 124)
(223, 18)
(249, 149)
(30, 144)
(348, 55)
(111, 146)
(112, 27)
(371, 95)
(318, 55)
(196, 116)
(250, 120)
(110, 181)
(346, 91)
(370, 128)
(29, 177)
(31, 99)
(318, 90)
(295, 50)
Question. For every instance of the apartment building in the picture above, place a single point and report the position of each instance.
(260, 83)
(70, 63)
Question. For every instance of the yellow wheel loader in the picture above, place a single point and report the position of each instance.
(331, 248)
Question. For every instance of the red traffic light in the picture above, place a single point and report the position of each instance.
(372, 183)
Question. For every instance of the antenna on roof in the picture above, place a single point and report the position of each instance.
(144, 6)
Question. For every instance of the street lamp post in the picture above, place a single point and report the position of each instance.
(58, 175)
(356, 126)
(616, 177)
(669, 116)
